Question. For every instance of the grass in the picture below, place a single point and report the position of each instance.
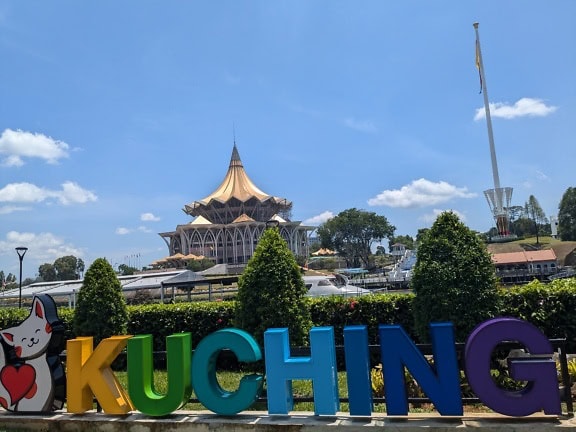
(230, 381)
(300, 388)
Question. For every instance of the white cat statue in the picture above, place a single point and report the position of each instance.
(26, 381)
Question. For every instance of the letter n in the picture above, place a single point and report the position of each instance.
(440, 383)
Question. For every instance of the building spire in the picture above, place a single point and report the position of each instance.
(235, 158)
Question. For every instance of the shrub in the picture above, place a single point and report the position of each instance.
(370, 310)
(454, 279)
(162, 320)
(101, 308)
(271, 291)
(550, 307)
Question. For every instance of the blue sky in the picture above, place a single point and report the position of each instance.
(113, 115)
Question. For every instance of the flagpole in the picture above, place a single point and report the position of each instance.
(497, 190)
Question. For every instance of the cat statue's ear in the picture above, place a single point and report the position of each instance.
(8, 337)
(38, 308)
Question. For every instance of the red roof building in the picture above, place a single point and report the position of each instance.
(513, 267)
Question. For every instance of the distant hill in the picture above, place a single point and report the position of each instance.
(561, 249)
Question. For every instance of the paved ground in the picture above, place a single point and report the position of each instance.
(201, 421)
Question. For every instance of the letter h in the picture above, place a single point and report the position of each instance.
(320, 367)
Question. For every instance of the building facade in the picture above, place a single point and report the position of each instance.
(228, 223)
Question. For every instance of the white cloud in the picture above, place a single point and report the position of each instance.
(71, 193)
(319, 219)
(542, 176)
(431, 217)
(42, 247)
(149, 217)
(12, 209)
(360, 125)
(420, 193)
(525, 107)
(125, 231)
(19, 144)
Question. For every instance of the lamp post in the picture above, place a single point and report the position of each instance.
(21, 251)
(272, 223)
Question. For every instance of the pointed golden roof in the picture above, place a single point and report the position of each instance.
(237, 187)
(236, 184)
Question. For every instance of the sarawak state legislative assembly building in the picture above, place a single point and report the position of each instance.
(228, 223)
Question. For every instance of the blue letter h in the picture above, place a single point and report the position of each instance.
(320, 367)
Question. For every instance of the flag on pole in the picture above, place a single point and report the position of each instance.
(478, 63)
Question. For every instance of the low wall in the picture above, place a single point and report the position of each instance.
(201, 421)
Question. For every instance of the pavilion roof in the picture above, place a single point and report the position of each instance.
(236, 184)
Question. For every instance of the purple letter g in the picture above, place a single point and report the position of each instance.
(541, 392)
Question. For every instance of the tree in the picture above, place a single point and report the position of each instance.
(406, 240)
(199, 265)
(80, 268)
(67, 268)
(126, 270)
(352, 233)
(271, 291)
(567, 215)
(454, 279)
(101, 307)
(47, 272)
(522, 226)
(535, 213)
(28, 281)
(421, 234)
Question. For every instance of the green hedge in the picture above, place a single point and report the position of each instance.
(551, 307)
(198, 318)
(370, 310)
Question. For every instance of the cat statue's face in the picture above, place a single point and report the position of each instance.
(30, 339)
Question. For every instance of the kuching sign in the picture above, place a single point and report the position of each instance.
(32, 377)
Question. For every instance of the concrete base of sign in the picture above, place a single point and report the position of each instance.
(203, 421)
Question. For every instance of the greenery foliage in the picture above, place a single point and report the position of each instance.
(64, 268)
(567, 215)
(370, 310)
(352, 232)
(454, 279)
(406, 240)
(551, 307)
(271, 291)
(199, 265)
(101, 308)
(162, 320)
(535, 213)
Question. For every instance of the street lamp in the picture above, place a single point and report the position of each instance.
(21, 251)
(272, 223)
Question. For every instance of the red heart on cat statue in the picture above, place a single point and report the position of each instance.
(18, 381)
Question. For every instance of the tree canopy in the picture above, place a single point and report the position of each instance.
(567, 215)
(352, 232)
(535, 213)
(454, 278)
(406, 240)
(64, 268)
(271, 291)
(101, 308)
